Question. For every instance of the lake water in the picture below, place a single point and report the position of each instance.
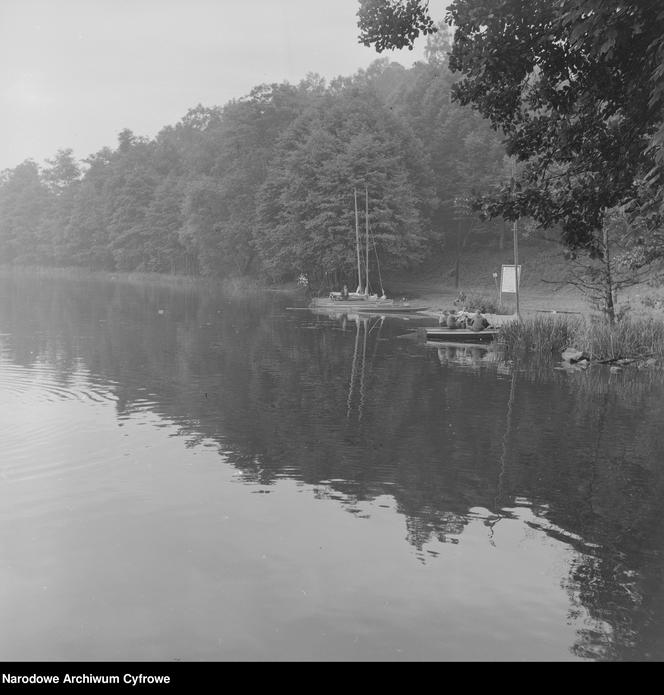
(191, 476)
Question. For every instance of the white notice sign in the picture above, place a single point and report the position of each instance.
(508, 279)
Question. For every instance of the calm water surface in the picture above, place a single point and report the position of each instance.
(187, 475)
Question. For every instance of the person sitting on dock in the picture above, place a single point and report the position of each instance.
(464, 318)
(344, 292)
(477, 322)
(442, 319)
(452, 320)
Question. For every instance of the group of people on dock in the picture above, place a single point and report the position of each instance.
(463, 319)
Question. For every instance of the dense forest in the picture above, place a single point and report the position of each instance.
(264, 185)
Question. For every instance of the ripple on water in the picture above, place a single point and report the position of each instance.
(49, 425)
(42, 382)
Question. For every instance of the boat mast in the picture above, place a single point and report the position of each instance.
(357, 246)
(366, 218)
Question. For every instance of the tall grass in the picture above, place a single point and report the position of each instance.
(600, 340)
(542, 334)
(625, 339)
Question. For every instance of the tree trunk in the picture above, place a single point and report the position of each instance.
(609, 307)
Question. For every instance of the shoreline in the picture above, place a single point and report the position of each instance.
(641, 301)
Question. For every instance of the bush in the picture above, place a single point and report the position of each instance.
(482, 303)
(652, 302)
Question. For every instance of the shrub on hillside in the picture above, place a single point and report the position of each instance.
(483, 303)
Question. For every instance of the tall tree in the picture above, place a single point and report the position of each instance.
(164, 251)
(129, 190)
(466, 156)
(85, 237)
(220, 205)
(306, 218)
(61, 171)
(24, 206)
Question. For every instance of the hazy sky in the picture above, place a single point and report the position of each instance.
(73, 73)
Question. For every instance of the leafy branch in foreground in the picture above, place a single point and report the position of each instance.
(387, 24)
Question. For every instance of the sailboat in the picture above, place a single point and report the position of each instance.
(362, 299)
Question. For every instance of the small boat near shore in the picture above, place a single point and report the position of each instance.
(464, 336)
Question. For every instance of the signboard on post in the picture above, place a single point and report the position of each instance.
(508, 279)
